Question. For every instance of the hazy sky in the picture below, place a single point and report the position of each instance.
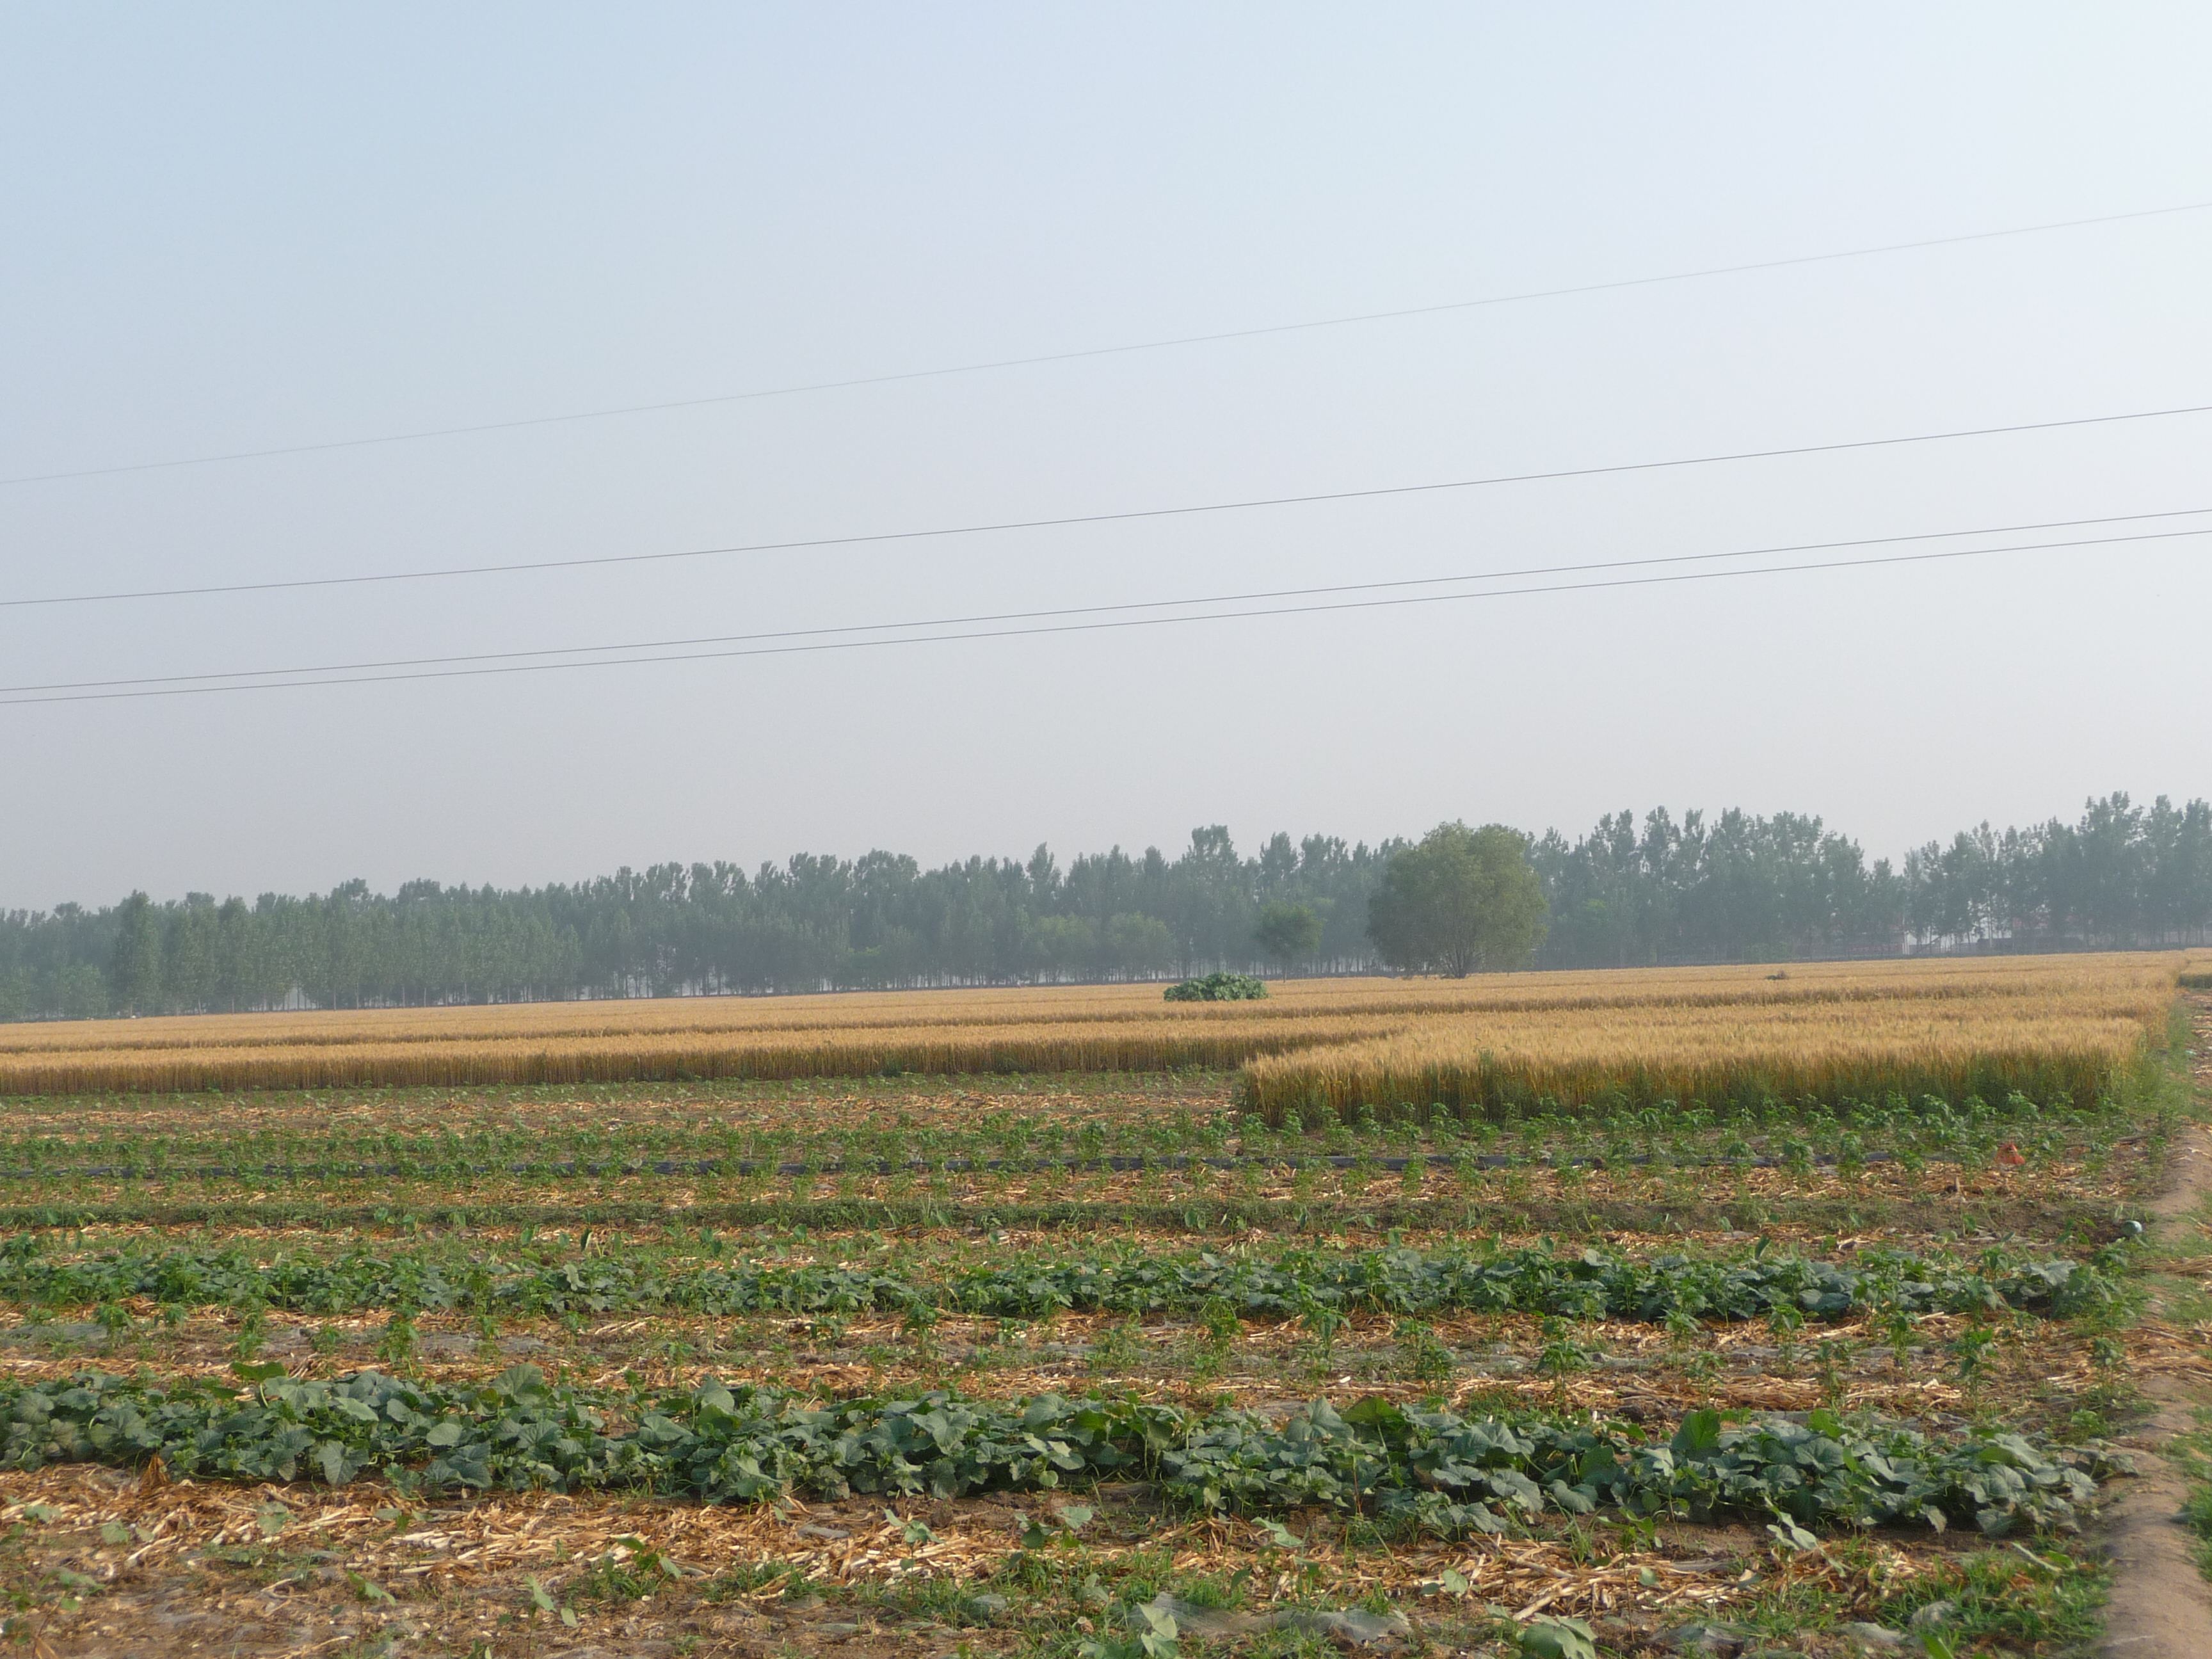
(226, 229)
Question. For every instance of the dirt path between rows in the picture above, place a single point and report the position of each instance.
(2162, 1607)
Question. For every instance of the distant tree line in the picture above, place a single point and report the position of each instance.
(1737, 887)
(1747, 888)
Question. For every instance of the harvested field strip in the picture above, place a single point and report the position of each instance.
(1173, 1162)
(1322, 1199)
(1594, 1285)
(296, 1122)
(1047, 1144)
(2098, 983)
(1444, 1474)
(300, 1137)
(558, 1533)
(1094, 1028)
(954, 1103)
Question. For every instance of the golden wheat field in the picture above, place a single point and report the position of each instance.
(1659, 1052)
(1862, 1028)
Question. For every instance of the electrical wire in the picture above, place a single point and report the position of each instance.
(1126, 516)
(1163, 604)
(818, 645)
(1171, 343)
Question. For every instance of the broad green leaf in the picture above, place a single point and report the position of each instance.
(1700, 1436)
(1558, 1638)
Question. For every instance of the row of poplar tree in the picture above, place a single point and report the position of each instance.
(1733, 887)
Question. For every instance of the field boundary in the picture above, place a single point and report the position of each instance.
(1119, 1164)
(2160, 1605)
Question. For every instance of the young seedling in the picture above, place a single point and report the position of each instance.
(1971, 1359)
(1833, 1358)
(1562, 1356)
(1785, 1319)
(395, 1346)
(253, 1331)
(1321, 1323)
(1898, 1330)
(1425, 1359)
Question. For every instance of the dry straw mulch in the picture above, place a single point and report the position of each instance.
(553, 1536)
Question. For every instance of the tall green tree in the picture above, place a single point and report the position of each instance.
(1461, 902)
(1289, 934)
(134, 966)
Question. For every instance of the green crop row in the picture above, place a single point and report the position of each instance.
(1593, 1285)
(1435, 1470)
(1691, 1138)
(2082, 1221)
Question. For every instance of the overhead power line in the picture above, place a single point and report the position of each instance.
(801, 641)
(1162, 605)
(1170, 343)
(1124, 516)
